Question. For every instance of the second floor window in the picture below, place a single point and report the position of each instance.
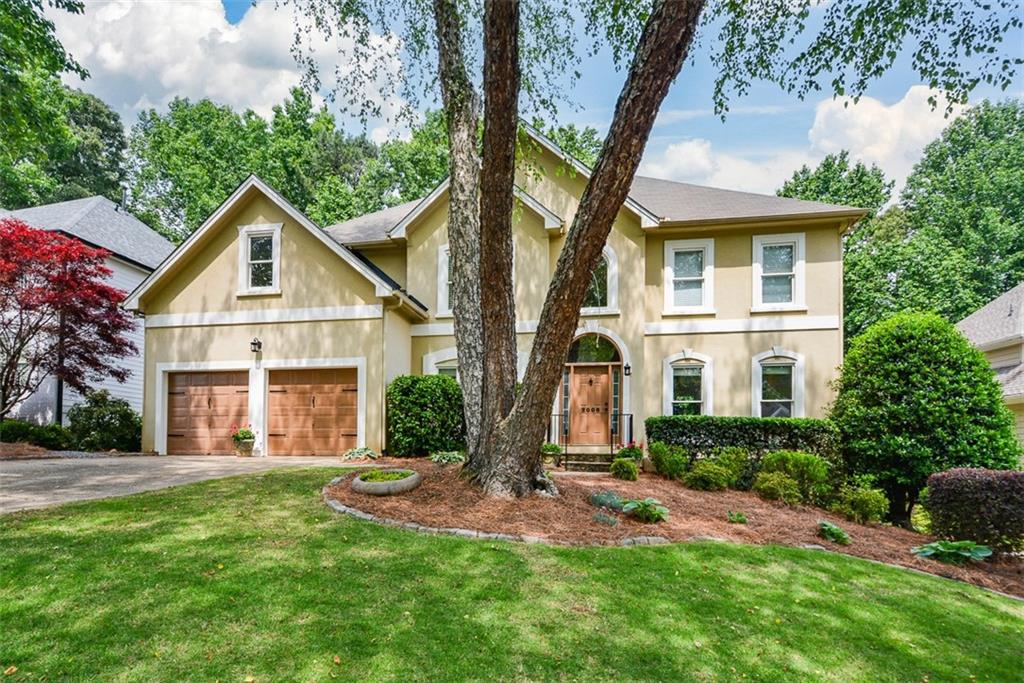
(259, 259)
(778, 272)
(689, 276)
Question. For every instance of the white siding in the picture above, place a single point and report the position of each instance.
(41, 405)
(1004, 357)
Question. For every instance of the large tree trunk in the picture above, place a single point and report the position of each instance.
(497, 176)
(462, 109)
(516, 464)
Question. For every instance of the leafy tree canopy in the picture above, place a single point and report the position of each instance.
(836, 181)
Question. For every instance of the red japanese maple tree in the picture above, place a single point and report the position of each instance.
(58, 316)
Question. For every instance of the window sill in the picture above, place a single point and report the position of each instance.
(599, 312)
(266, 291)
(697, 310)
(779, 308)
(444, 315)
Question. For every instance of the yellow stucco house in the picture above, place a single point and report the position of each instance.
(707, 301)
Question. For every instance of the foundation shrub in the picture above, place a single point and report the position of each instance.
(707, 476)
(778, 486)
(625, 468)
(984, 506)
(424, 415)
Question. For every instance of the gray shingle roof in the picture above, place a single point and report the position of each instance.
(1011, 379)
(997, 320)
(667, 199)
(680, 202)
(100, 222)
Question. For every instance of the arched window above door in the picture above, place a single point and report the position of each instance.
(593, 348)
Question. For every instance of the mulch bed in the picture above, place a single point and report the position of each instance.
(446, 500)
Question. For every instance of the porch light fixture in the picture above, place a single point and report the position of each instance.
(627, 370)
(255, 345)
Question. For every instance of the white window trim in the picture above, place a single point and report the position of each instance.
(707, 305)
(798, 379)
(244, 233)
(707, 380)
(444, 309)
(798, 240)
(613, 286)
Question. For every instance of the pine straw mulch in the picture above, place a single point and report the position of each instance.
(21, 451)
(446, 500)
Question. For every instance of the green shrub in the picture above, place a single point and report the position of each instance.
(606, 499)
(778, 486)
(701, 434)
(953, 552)
(625, 468)
(737, 462)
(986, 506)
(631, 450)
(806, 469)
(707, 476)
(424, 415)
(447, 457)
(551, 449)
(646, 510)
(670, 461)
(861, 504)
(605, 518)
(736, 517)
(830, 531)
(52, 437)
(915, 398)
(102, 423)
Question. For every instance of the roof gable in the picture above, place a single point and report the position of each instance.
(997, 323)
(384, 286)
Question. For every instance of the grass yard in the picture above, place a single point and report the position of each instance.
(252, 578)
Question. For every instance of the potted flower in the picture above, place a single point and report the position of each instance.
(244, 439)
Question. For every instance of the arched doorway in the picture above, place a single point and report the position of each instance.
(590, 396)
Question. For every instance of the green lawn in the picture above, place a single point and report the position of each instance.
(253, 577)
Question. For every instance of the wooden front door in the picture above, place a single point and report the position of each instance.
(589, 398)
(312, 412)
(202, 407)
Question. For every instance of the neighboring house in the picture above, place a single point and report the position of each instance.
(707, 301)
(997, 329)
(135, 250)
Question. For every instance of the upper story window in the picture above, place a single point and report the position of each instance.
(689, 276)
(778, 384)
(444, 281)
(259, 259)
(603, 292)
(687, 384)
(778, 272)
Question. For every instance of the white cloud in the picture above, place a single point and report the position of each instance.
(143, 54)
(891, 136)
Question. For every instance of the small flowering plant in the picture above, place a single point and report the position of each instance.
(240, 434)
(632, 450)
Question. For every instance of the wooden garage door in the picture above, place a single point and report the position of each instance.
(202, 407)
(311, 412)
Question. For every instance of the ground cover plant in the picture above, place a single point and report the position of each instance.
(381, 475)
(833, 533)
(254, 577)
(447, 457)
(736, 517)
(953, 552)
(646, 510)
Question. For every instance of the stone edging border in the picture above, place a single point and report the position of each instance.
(631, 541)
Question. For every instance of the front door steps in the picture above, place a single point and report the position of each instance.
(588, 458)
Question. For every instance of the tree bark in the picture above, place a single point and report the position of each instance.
(663, 47)
(462, 107)
(497, 178)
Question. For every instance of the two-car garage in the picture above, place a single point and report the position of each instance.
(308, 411)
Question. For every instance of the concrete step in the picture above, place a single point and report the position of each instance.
(587, 465)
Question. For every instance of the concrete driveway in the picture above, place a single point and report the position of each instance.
(27, 484)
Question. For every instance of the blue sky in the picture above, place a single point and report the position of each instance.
(141, 55)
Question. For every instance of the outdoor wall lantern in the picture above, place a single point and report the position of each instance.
(255, 345)
(627, 370)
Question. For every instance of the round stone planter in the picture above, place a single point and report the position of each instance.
(387, 488)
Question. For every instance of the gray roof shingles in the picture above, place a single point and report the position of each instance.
(667, 199)
(102, 223)
(998, 319)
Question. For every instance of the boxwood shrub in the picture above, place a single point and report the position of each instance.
(778, 486)
(102, 423)
(624, 468)
(424, 415)
(701, 434)
(707, 476)
(52, 437)
(980, 505)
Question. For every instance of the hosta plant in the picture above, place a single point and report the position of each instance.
(830, 531)
(447, 457)
(953, 552)
(646, 510)
(359, 454)
(606, 499)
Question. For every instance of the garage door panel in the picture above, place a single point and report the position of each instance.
(312, 411)
(202, 409)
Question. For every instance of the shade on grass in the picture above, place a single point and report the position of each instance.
(253, 576)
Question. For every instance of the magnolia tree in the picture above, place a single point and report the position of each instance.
(59, 318)
(489, 60)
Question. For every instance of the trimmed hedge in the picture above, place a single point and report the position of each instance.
(980, 505)
(52, 437)
(424, 415)
(701, 434)
(624, 468)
